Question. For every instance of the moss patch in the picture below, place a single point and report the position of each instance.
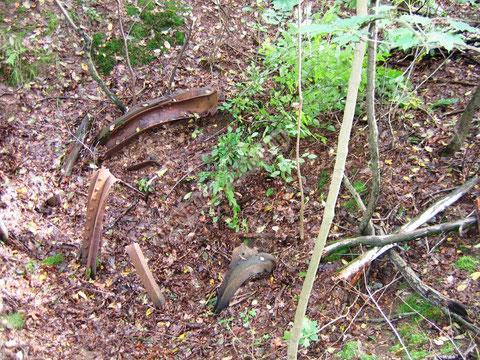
(415, 303)
(152, 32)
(467, 263)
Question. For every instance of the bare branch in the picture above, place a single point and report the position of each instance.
(87, 46)
(127, 54)
(381, 240)
(299, 125)
(365, 226)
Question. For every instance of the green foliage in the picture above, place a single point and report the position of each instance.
(415, 303)
(440, 103)
(233, 156)
(13, 59)
(467, 263)
(52, 22)
(414, 338)
(261, 113)
(14, 320)
(349, 351)
(308, 333)
(401, 32)
(54, 260)
(270, 192)
(151, 33)
(30, 266)
(413, 335)
(247, 315)
(447, 349)
(144, 186)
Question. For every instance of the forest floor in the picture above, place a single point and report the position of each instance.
(69, 317)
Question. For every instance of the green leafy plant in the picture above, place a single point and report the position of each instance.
(308, 333)
(53, 260)
(262, 114)
(349, 351)
(247, 315)
(144, 186)
(467, 263)
(14, 320)
(30, 266)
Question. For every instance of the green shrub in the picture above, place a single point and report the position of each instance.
(264, 107)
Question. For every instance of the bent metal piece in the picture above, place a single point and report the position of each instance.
(197, 102)
(100, 186)
(241, 270)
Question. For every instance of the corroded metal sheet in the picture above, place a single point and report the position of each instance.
(193, 103)
(246, 264)
(100, 186)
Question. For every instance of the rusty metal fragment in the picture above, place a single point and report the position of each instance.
(246, 264)
(100, 186)
(141, 267)
(197, 102)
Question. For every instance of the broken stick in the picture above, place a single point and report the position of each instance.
(382, 240)
(353, 270)
(74, 149)
(142, 269)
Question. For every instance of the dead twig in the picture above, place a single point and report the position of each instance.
(75, 148)
(171, 79)
(372, 298)
(127, 55)
(114, 223)
(130, 187)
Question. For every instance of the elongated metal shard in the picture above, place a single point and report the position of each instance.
(198, 102)
(100, 186)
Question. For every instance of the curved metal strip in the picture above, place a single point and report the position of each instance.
(198, 102)
(102, 181)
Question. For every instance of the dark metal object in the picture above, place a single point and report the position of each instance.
(193, 103)
(246, 265)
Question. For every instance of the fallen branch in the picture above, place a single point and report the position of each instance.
(382, 240)
(353, 271)
(74, 150)
(450, 307)
(87, 46)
